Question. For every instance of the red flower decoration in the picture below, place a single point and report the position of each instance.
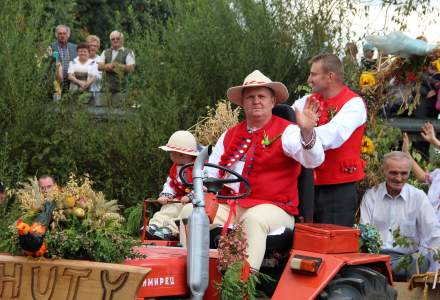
(410, 76)
(245, 271)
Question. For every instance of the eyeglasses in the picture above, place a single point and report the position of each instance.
(115, 39)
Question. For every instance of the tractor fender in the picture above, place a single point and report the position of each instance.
(304, 286)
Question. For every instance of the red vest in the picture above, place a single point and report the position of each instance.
(272, 175)
(343, 164)
(178, 186)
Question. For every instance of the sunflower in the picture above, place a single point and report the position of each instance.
(436, 64)
(367, 79)
(367, 145)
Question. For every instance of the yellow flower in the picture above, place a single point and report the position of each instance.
(367, 145)
(367, 79)
(436, 64)
(69, 201)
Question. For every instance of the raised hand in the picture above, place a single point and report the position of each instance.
(405, 143)
(428, 133)
(308, 118)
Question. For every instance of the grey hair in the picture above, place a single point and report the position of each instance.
(114, 32)
(62, 26)
(396, 155)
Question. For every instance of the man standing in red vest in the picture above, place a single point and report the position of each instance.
(340, 129)
(269, 152)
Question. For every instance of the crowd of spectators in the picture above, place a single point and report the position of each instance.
(99, 79)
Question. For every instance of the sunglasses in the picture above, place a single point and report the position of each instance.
(115, 39)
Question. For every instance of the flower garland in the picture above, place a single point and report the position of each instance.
(238, 281)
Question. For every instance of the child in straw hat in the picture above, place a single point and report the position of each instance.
(182, 147)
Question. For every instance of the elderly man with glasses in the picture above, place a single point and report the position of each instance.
(116, 62)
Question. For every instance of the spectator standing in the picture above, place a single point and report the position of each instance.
(94, 44)
(340, 129)
(82, 71)
(66, 51)
(393, 205)
(117, 62)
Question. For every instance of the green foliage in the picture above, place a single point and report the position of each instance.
(233, 288)
(78, 241)
(134, 216)
(401, 240)
(9, 213)
(405, 242)
(370, 240)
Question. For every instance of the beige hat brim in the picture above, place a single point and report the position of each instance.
(180, 150)
(235, 94)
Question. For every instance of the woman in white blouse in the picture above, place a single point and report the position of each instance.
(82, 71)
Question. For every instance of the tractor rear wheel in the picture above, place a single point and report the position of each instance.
(358, 283)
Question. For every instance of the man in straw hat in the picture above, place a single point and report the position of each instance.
(182, 146)
(269, 152)
(340, 129)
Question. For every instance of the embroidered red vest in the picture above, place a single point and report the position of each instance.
(272, 175)
(176, 185)
(343, 164)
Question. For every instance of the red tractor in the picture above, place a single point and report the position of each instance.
(316, 261)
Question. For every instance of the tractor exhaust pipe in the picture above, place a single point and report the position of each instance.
(198, 234)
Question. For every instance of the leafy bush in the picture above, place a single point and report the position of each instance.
(187, 54)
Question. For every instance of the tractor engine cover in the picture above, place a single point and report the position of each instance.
(325, 238)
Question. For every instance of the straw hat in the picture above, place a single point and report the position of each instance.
(257, 79)
(182, 141)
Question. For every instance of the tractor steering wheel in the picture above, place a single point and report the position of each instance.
(214, 185)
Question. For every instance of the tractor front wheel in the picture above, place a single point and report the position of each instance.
(358, 283)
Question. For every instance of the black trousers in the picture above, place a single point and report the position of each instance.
(335, 204)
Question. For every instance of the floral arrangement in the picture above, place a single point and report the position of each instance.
(370, 241)
(84, 224)
(238, 280)
(266, 142)
(404, 73)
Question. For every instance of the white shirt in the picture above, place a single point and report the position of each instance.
(434, 191)
(410, 211)
(339, 129)
(292, 147)
(130, 60)
(90, 67)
